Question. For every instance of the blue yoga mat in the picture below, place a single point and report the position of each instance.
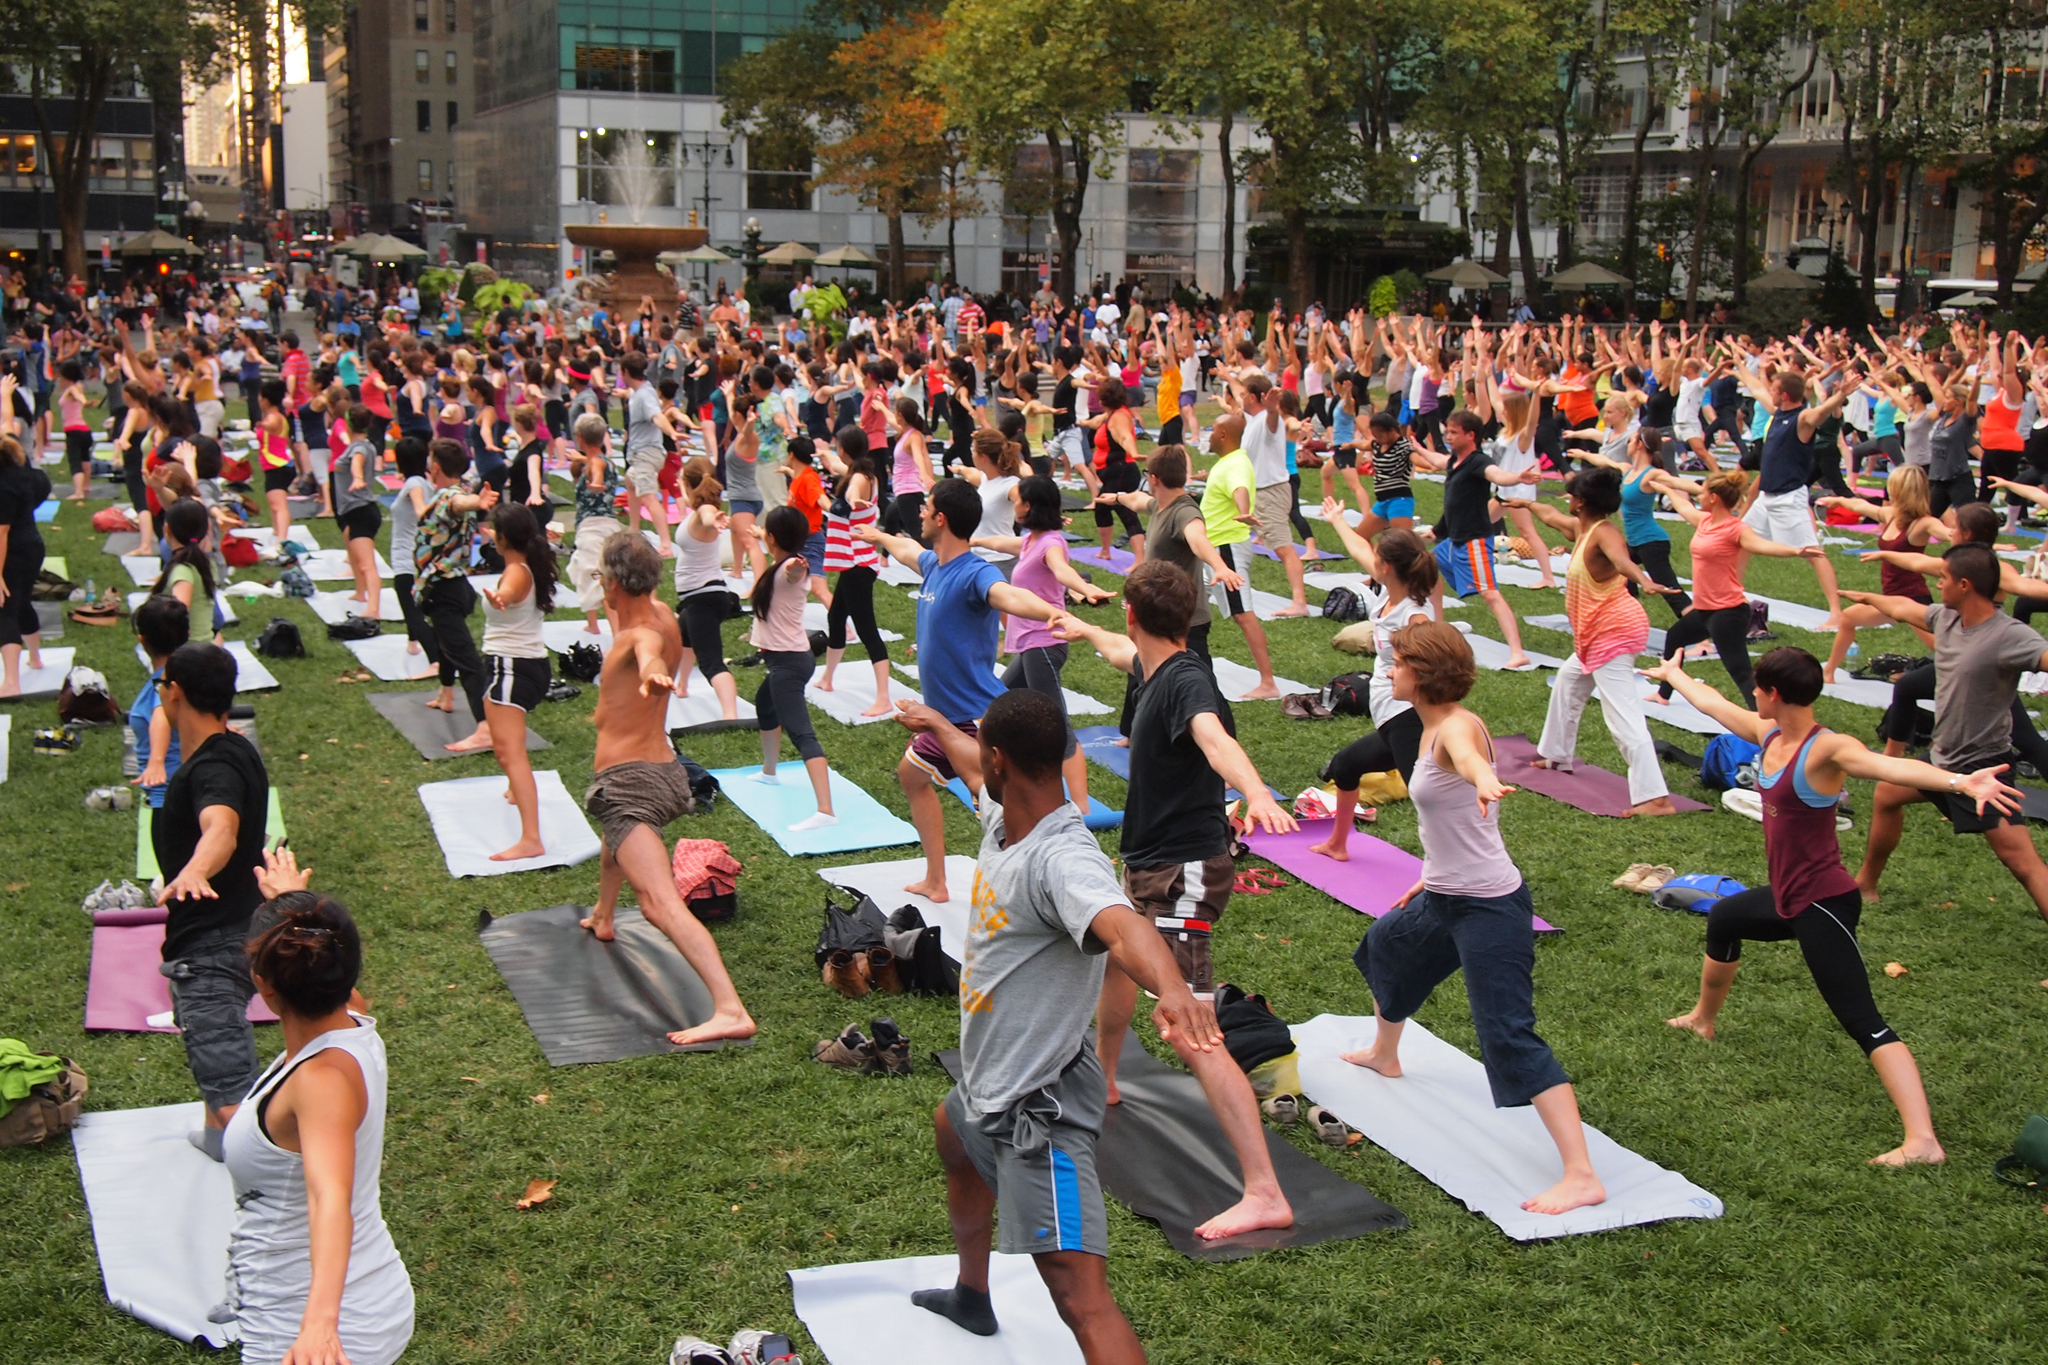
(863, 821)
(1099, 816)
(47, 511)
(1099, 742)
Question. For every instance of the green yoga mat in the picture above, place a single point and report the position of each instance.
(56, 564)
(145, 852)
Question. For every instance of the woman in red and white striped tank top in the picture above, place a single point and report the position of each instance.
(1609, 628)
(855, 561)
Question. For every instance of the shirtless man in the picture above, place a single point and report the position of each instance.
(639, 785)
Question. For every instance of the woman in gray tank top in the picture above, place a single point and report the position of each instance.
(1471, 911)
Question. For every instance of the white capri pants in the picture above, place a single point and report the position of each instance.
(1620, 691)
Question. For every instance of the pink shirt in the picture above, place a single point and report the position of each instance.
(1035, 576)
(781, 627)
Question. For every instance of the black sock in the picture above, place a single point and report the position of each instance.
(966, 1308)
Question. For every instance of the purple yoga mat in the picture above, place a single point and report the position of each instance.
(1593, 790)
(1084, 557)
(124, 987)
(1259, 549)
(1377, 875)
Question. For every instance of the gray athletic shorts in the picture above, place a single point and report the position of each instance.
(1049, 1199)
(210, 990)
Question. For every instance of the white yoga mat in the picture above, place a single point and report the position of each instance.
(1315, 513)
(1559, 622)
(1860, 691)
(701, 706)
(861, 1314)
(266, 537)
(144, 569)
(48, 680)
(560, 635)
(472, 819)
(1521, 575)
(885, 883)
(1798, 614)
(895, 572)
(818, 617)
(326, 565)
(227, 608)
(161, 1217)
(1235, 679)
(1681, 713)
(1325, 580)
(1078, 703)
(335, 607)
(1438, 1118)
(6, 731)
(1492, 654)
(1267, 606)
(853, 691)
(385, 656)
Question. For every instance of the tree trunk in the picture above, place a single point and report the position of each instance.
(897, 265)
(70, 158)
(1500, 228)
(1523, 238)
(1702, 186)
(1070, 192)
(1224, 126)
(1632, 197)
(1745, 169)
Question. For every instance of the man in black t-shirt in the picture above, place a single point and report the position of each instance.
(1176, 850)
(1464, 547)
(1068, 440)
(208, 839)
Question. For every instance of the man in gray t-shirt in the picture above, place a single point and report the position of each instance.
(1019, 1129)
(645, 453)
(1979, 655)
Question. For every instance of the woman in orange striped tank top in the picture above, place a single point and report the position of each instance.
(1609, 628)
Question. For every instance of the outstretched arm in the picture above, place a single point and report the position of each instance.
(902, 549)
(1139, 951)
(1234, 766)
(1981, 786)
(1708, 702)
(1116, 650)
(1904, 610)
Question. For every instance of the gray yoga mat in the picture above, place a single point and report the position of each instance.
(51, 616)
(1163, 1156)
(588, 1001)
(123, 543)
(431, 731)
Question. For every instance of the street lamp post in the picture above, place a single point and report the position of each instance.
(750, 257)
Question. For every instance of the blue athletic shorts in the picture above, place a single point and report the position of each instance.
(814, 553)
(1467, 565)
(751, 506)
(1387, 509)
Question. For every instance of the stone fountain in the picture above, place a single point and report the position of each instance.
(636, 182)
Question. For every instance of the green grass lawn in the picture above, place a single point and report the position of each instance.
(690, 1184)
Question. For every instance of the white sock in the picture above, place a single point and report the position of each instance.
(772, 779)
(819, 821)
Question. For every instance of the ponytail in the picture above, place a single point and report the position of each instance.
(787, 530)
(186, 523)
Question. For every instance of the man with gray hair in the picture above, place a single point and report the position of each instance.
(640, 785)
(597, 512)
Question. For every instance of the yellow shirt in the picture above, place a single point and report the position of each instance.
(1169, 389)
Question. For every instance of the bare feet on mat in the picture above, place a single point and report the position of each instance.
(1659, 806)
(718, 1028)
(1291, 610)
(1692, 1023)
(1556, 765)
(1572, 1192)
(933, 891)
(422, 676)
(1927, 1153)
(436, 704)
(1248, 1215)
(599, 923)
(472, 745)
(1332, 848)
(1388, 1066)
(881, 708)
(1263, 692)
(1517, 660)
(525, 848)
(593, 628)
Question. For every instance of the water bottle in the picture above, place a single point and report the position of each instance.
(92, 592)
(1855, 650)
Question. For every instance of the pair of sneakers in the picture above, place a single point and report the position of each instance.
(1287, 1110)
(110, 798)
(885, 1054)
(750, 1347)
(107, 896)
(58, 741)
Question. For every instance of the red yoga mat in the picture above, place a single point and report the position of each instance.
(124, 987)
(1593, 790)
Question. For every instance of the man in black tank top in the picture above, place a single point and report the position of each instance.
(1780, 510)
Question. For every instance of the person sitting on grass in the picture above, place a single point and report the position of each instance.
(1811, 896)
(1020, 1128)
(959, 609)
(1470, 910)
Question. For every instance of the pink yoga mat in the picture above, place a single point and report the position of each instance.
(1084, 557)
(1593, 790)
(1377, 875)
(124, 987)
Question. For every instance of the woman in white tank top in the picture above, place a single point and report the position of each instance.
(516, 672)
(311, 1264)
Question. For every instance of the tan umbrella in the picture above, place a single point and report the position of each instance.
(1465, 275)
(382, 248)
(699, 255)
(848, 255)
(1783, 278)
(789, 253)
(1587, 275)
(157, 242)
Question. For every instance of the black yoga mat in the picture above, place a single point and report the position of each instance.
(122, 543)
(1164, 1156)
(588, 1001)
(2036, 804)
(432, 731)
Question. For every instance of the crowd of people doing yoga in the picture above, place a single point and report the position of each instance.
(788, 472)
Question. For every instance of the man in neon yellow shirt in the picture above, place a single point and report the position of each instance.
(1227, 521)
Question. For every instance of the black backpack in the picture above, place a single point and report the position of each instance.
(1342, 604)
(1348, 694)
(280, 640)
(584, 661)
(354, 627)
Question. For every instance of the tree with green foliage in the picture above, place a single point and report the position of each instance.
(1385, 298)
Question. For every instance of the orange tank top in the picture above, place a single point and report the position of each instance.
(1717, 562)
(1608, 623)
(2001, 428)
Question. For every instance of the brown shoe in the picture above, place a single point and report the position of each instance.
(847, 972)
(891, 1049)
(882, 973)
(850, 1051)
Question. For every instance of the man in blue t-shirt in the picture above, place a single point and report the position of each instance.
(959, 611)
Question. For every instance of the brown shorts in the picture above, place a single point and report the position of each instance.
(628, 795)
(929, 756)
(1185, 900)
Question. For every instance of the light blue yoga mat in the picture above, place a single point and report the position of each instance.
(863, 821)
(1099, 816)
(47, 511)
(1099, 742)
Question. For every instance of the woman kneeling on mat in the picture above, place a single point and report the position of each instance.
(1402, 565)
(516, 673)
(1471, 910)
(1811, 896)
(313, 1275)
(786, 649)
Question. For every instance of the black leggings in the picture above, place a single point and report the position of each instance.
(1038, 669)
(131, 474)
(1655, 558)
(779, 701)
(1394, 745)
(703, 618)
(448, 603)
(1120, 476)
(853, 598)
(1294, 516)
(1826, 931)
(1943, 494)
(1728, 627)
(1996, 464)
(905, 516)
(416, 627)
(18, 618)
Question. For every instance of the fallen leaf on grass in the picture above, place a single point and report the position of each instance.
(17, 886)
(540, 1099)
(537, 1192)
(473, 1080)
(334, 741)
(1893, 969)
(304, 757)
